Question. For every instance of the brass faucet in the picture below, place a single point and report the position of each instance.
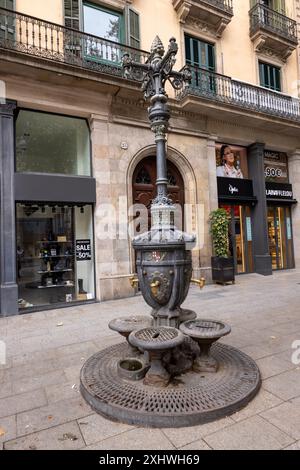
(133, 281)
(154, 287)
(200, 282)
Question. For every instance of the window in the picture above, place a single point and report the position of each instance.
(277, 5)
(50, 143)
(269, 76)
(199, 53)
(102, 23)
(55, 260)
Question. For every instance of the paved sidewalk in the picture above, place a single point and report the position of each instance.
(41, 407)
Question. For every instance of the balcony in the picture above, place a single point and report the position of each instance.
(23, 37)
(211, 15)
(221, 96)
(270, 30)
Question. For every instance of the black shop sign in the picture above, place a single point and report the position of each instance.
(235, 190)
(83, 250)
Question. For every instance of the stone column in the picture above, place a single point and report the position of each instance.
(261, 253)
(211, 204)
(8, 285)
(294, 172)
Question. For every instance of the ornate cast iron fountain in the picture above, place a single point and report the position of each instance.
(172, 375)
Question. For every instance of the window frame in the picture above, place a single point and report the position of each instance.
(207, 44)
(271, 72)
(102, 8)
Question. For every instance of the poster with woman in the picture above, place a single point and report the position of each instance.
(231, 161)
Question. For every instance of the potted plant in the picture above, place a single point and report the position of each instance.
(222, 264)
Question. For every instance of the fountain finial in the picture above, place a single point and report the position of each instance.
(157, 46)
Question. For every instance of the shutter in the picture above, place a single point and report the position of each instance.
(9, 4)
(279, 5)
(73, 43)
(72, 14)
(133, 28)
(7, 22)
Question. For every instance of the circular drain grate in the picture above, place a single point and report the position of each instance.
(189, 400)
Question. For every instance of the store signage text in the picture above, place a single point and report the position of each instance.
(276, 166)
(233, 189)
(279, 191)
(83, 250)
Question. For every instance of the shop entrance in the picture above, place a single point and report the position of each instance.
(240, 237)
(280, 237)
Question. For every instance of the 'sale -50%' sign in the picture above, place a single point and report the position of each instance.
(83, 250)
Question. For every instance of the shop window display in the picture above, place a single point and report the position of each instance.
(54, 254)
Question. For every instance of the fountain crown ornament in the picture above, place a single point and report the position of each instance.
(157, 47)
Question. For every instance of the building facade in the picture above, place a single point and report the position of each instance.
(78, 158)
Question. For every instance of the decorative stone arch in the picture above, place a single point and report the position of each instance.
(191, 192)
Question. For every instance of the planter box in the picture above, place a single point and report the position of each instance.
(222, 269)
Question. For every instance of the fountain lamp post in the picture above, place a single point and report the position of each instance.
(163, 255)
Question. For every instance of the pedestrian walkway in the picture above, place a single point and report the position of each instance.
(41, 406)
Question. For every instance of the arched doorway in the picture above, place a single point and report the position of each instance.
(144, 187)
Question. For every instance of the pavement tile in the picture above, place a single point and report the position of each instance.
(64, 437)
(273, 365)
(263, 401)
(51, 415)
(32, 383)
(6, 389)
(141, 439)
(251, 434)
(198, 445)
(255, 351)
(34, 369)
(8, 429)
(24, 401)
(95, 427)
(180, 437)
(295, 446)
(286, 417)
(285, 385)
(62, 391)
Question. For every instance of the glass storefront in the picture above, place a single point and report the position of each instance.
(55, 256)
(280, 237)
(50, 143)
(240, 237)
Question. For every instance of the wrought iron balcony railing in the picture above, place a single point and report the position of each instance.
(35, 37)
(225, 90)
(224, 5)
(263, 17)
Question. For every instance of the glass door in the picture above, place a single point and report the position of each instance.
(240, 238)
(280, 237)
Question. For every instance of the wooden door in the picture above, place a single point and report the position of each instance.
(144, 187)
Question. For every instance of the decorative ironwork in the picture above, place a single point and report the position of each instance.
(224, 89)
(262, 16)
(171, 179)
(143, 177)
(35, 37)
(196, 399)
(224, 5)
